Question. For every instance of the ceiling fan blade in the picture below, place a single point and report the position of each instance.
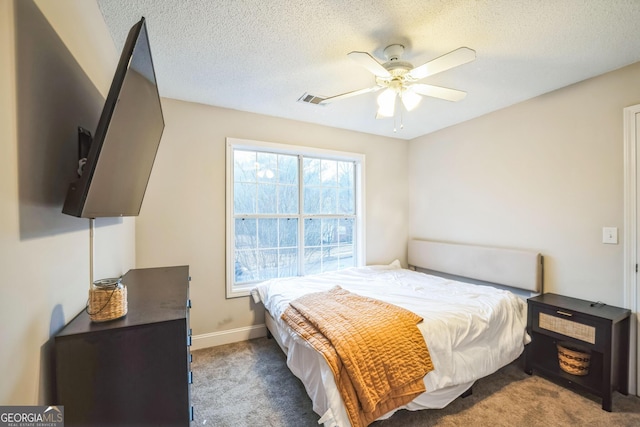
(349, 94)
(439, 92)
(448, 60)
(369, 62)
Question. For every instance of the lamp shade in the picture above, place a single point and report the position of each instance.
(387, 103)
(410, 99)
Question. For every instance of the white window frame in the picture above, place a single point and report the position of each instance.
(233, 290)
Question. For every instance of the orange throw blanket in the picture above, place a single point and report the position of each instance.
(374, 349)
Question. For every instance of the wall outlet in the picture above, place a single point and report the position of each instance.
(610, 235)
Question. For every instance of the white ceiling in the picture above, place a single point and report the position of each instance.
(262, 55)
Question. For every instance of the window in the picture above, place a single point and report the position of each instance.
(291, 211)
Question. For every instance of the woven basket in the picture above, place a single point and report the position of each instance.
(107, 300)
(572, 360)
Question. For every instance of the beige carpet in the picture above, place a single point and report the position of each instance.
(249, 384)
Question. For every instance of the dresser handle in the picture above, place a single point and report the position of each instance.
(564, 313)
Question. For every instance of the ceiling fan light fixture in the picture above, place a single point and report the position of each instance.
(398, 80)
(410, 99)
(387, 103)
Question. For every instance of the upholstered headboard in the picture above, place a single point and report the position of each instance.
(509, 267)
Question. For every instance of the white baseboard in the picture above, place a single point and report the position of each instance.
(227, 337)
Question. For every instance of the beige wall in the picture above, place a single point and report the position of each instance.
(44, 255)
(183, 217)
(545, 174)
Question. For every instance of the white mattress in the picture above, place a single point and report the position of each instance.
(471, 331)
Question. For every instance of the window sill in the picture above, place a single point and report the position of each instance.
(238, 292)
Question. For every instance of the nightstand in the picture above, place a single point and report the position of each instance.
(601, 329)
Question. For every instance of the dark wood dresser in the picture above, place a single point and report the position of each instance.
(602, 330)
(132, 371)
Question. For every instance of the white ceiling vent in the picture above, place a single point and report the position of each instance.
(311, 99)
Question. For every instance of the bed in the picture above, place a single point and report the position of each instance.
(473, 321)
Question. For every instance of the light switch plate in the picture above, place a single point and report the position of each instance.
(610, 235)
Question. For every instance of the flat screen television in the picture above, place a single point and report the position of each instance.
(114, 176)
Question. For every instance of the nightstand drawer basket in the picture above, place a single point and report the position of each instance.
(573, 360)
(568, 328)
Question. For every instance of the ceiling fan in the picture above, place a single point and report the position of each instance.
(399, 79)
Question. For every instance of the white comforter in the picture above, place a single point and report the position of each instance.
(471, 331)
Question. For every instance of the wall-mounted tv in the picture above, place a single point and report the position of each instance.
(119, 157)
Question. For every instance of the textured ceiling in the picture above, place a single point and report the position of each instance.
(262, 55)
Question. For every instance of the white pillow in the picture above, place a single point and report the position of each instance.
(395, 265)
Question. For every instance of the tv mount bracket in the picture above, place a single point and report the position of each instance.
(84, 144)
